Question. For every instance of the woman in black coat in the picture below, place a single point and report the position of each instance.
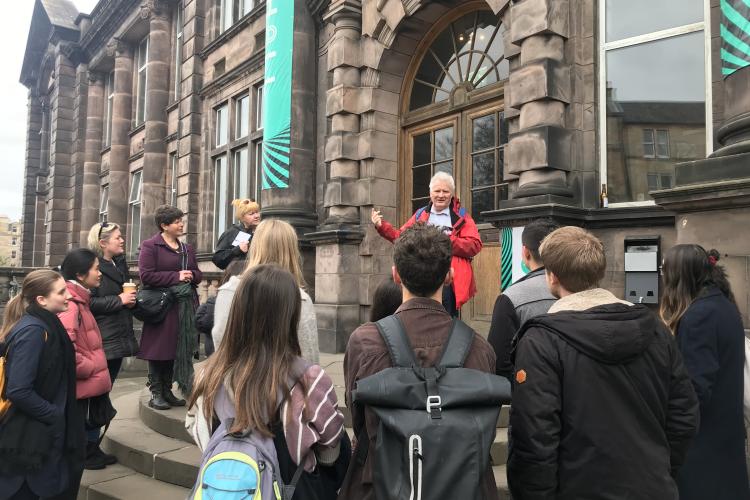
(110, 305)
(228, 249)
(699, 307)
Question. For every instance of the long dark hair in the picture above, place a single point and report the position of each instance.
(386, 299)
(687, 271)
(258, 350)
(37, 283)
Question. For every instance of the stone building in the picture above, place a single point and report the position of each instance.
(10, 242)
(533, 106)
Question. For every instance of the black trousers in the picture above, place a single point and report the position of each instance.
(71, 493)
(449, 301)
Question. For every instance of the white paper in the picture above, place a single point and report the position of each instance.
(242, 237)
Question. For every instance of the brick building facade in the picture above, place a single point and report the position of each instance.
(533, 105)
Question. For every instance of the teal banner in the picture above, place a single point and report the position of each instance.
(277, 90)
(735, 35)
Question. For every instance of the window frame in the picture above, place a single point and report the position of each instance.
(178, 38)
(604, 47)
(141, 94)
(171, 181)
(109, 89)
(104, 203)
(258, 103)
(134, 236)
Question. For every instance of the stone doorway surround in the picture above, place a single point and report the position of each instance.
(366, 47)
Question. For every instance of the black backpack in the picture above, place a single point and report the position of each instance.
(437, 424)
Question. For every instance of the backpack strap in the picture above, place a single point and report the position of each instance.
(394, 336)
(419, 213)
(458, 346)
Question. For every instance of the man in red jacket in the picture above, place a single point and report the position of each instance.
(444, 210)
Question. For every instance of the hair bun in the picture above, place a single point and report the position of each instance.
(715, 254)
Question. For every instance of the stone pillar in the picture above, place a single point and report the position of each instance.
(539, 152)
(78, 229)
(32, 167)
(157, 100)
(92, 157)
(296, 204)
(61, 129)
(189, 128)
(121, 121)
(337, 264)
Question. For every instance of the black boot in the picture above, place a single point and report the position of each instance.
(167, 377)
(157, 401)
(94, 461)
(106, 457)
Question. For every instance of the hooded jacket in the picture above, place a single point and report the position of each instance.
(603, 407)
(465, 243)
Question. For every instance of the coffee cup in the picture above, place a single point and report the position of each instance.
(129, 287)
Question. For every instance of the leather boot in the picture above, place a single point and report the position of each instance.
(93, 461)
(167, 378)
(157, 401)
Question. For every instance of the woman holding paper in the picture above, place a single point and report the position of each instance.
(235, 241)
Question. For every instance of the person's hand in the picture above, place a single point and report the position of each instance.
(128, 299)
(244, 246)
(186, 276)
(376, 218)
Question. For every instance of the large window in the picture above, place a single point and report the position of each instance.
(172, 180)
(134, 201)
(109, 88)
(656, 93)
(232, 11)
(142, 82)
(104, 203)
(178, 27)
(234, 155)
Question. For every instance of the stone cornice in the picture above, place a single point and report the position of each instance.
(594, 218)
(107, 18)
(252, 63)
(706, 196)
(336, 236)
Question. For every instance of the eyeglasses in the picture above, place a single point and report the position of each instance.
(102, 225)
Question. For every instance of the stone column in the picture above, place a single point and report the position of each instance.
(92, 157)
(157, 100)
(189, 128)
(32, 167)
(78, 229)
(60, 151)
(337, 264)
(121, 121)
(539, 153)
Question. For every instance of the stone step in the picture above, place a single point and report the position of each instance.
(117, 482)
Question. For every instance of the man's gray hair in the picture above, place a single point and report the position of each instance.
(443, 177)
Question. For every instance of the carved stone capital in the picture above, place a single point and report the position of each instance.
(116, 47)
(151, 8)
(95, 77)
(343, 9)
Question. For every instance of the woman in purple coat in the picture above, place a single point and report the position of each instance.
(167, 262)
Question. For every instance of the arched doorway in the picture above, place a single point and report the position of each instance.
(453, 120)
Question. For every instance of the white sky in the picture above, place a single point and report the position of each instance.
(13, 98)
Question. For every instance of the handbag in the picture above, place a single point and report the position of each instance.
(100, 413)
(152, 304)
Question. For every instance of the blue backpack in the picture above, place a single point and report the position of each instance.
(237, 466)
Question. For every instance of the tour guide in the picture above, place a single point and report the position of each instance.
(444, 210)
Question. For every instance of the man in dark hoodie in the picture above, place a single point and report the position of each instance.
(526, 298)
(603, 407)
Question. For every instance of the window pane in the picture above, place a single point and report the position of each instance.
(242, 115)
(653, 182)
(221, 126)
(484, 133)
(446, 166)
(259, 107)
(419, 203)
(226, 14)
(421, 181)
(241, 177)
(135, 187)
(258, 168)
(502, 192)
(626, 18)
(104, 202)
(141, 111)
(247, 6)
(481, 201)
(483, 169)
(444, 144)
(656, 84)
(666, 182)
(422, 149)
(135, 229)
(220, 195)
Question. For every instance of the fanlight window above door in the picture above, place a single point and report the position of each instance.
(467, 55)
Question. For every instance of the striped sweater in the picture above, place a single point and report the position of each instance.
(318, 429)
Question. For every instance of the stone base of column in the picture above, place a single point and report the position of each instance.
(335, 324)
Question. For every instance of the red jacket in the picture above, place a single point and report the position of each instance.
(464, 239)
(91, 362)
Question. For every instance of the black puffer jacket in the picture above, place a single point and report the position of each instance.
(603, 407)
(115, 321)
(225, 253)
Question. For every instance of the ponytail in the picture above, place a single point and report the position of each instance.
(13, 312)
(719, 275)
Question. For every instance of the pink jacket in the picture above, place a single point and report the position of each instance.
(91, 362)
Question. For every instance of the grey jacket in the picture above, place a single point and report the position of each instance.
(307, 331)
(525, 299)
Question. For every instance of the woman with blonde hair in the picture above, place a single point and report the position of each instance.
(235, 241)
(110, 305)
(275, 242)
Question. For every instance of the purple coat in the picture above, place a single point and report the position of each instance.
(159, 266)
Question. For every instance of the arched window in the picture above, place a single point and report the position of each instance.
(467, 55)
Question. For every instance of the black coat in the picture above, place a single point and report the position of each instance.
(225, 253)
(712, 340)
(204, 316)
(603, 407)
(115, 320)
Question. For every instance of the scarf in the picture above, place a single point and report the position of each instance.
(187, 337)
(25, 442)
